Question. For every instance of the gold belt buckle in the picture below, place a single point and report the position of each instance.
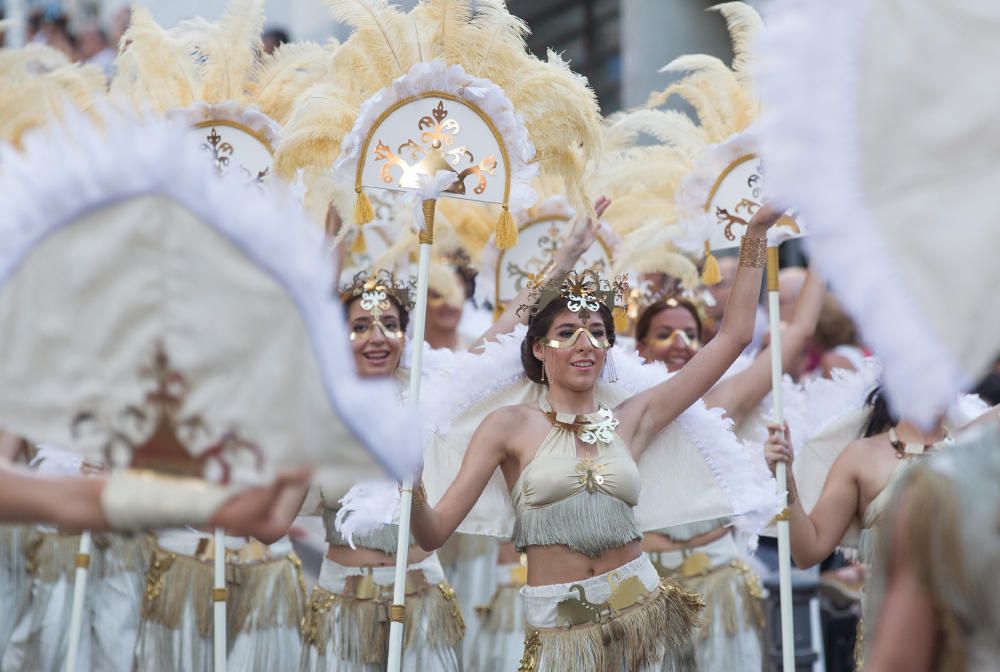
(695, 564)
(579, 610)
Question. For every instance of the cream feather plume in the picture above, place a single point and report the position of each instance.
(40, 86)
(744, 24)
(226, 50)
(383, 32)
(647, 182)
(559, 109)
(154, 70)
(30, 59)
(283, 76)
(507, 34)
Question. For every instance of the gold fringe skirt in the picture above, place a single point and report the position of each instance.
(732, 634)
(499, 642)
(39, 636)
(265, 605)
(627, 620)
(346, 626)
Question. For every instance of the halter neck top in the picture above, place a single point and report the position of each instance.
(584, 503)
(868, 543)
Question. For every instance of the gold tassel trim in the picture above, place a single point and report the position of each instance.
(629, 641)
(710, 273)
(259, 595)
(50, 556)
(503, 612)
(363, 210)
(724, 589)
(506, 230)
(360, 628)
(358, 246)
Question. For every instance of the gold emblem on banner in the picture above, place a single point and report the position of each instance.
(434, 152)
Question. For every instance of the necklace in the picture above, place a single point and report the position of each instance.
(905, 451)
(591, 428)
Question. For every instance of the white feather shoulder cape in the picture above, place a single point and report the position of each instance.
(695, 470)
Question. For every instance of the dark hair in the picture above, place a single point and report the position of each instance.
(404, 314)
(538, 327)
(989, 389)
(279, 35)
(880, 418)
(652, 310)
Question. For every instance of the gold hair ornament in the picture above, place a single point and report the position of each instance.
(375, 290)
(585, 292)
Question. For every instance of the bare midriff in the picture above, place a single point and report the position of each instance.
(369, 557)
(654, 542)
(507, 554)
(558, 564)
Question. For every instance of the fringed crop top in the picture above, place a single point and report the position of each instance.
(583, 503)
(383, 539)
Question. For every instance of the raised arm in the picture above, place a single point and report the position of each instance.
(431, 526)
(815, 535)
(582, 236)
(644, 415)
(739, 394)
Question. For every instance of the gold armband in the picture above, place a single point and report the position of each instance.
(419, 495)
(753, 252)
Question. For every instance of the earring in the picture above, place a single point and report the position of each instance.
(609, 368)
(543, 371)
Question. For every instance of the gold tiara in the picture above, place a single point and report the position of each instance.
(585, 292)
(375, 290)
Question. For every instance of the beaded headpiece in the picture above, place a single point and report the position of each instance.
(375, 290)
(585, 292)
(643, 295)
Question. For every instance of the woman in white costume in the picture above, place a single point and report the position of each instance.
(585, 565)
(346, 627)
(860, 484)
(495, 636)
(933, 589)
(705, 557)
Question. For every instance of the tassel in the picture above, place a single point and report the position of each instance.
(506, 230)
(363, 211)
(359, 246)
(609, 366)
(621, 321)
(710, 273)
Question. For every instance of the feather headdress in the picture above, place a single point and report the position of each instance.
(200, 71)
(661, 192)
(542, 229)
(465, 47)
(39, 85)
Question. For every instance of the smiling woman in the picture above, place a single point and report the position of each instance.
(593, 601)
(550, 352)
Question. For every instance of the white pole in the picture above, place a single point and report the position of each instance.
(79, 591)
(784, 550)
(397, 613)
(17, 33)
(219, 600)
